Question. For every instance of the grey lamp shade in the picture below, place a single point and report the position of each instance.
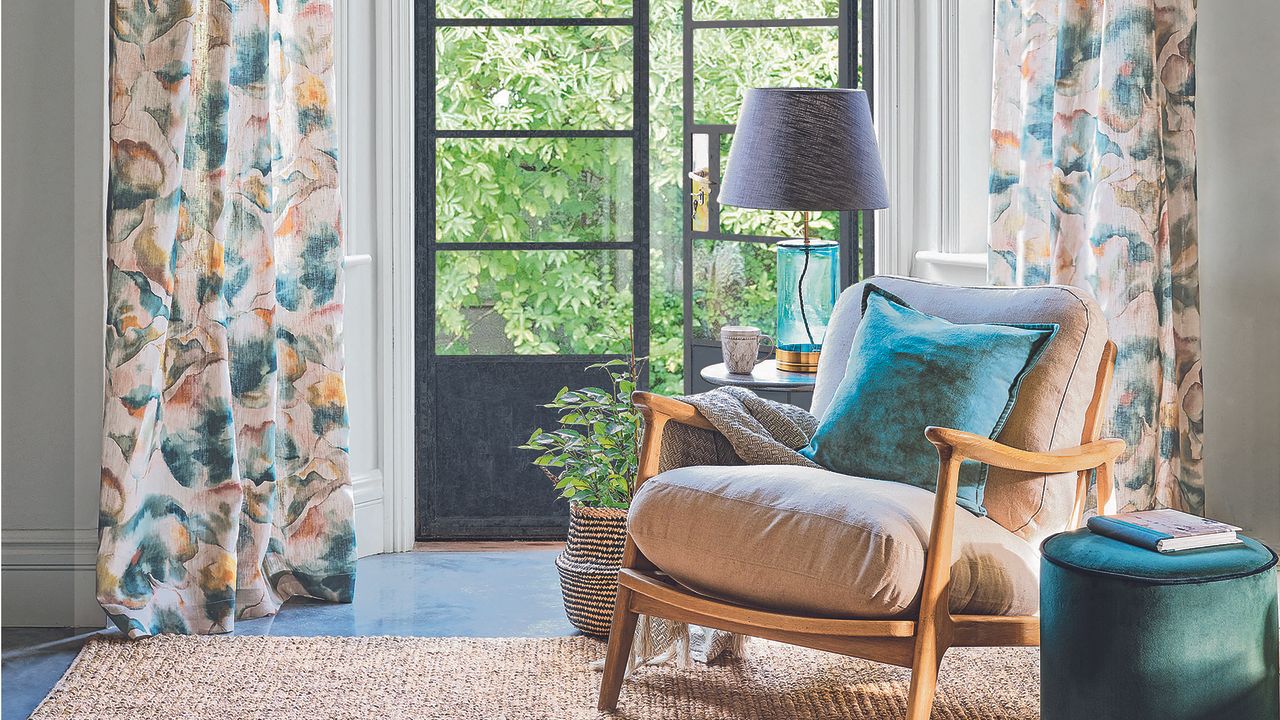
(804, 149)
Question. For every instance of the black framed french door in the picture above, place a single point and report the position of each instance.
(719, 242)
(532, 246)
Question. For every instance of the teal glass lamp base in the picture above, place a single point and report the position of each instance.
(808, 285)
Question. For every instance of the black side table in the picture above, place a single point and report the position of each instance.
(767, 381)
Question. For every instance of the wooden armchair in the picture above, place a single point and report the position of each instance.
(919, 637)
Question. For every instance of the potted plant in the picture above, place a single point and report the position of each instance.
(594, 454)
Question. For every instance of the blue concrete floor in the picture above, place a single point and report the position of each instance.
(509, 593)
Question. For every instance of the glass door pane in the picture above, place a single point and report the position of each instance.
(533, 302)
(534, 77)
(545, 190)
(733, 284)
(728, 61)
(764, 9)
(494, 9)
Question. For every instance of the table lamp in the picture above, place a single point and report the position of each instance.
(804, 149)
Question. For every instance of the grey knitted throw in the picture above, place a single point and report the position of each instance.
(762, 432)
(749, 431)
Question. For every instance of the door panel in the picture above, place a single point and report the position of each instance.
(532, 242)
(484, 407)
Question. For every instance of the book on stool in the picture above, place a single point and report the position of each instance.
(1164, 530)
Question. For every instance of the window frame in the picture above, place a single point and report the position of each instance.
(931, 56)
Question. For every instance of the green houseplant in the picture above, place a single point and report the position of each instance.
(592, 458)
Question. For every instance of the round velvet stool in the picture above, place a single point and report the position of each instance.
(1130, 633)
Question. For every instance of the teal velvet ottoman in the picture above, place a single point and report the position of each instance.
(1130, 633)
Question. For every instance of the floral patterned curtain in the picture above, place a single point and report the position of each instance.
(225, 481)
(1093, 184)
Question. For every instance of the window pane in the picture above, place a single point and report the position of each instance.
(532, 8)
(533, 190)
(772, 223)
(533, 78)
(532, 302)
(730, 60)
(733, 284)
(764, 9)
(778, 223)
(700, 180)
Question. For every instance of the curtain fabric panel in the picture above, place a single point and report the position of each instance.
(225, 480)
(1093, 184)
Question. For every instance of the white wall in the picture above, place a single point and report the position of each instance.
(1238, 149)
(54, 61)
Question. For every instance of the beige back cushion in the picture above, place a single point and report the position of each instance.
(1050, 410)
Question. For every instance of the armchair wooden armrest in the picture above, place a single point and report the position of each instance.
(652, 406)
(1093, 453)
(954, 447)
(657, 411)
(975, 447)
(1098, 454)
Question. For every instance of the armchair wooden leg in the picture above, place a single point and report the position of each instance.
(622, 632)
(924, 676)
(933, 628)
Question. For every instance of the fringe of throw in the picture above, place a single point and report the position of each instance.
(659, 641)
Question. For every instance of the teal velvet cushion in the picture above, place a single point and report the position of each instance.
(1131, 634)
(909, 370)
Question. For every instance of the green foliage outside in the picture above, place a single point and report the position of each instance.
(566, 301)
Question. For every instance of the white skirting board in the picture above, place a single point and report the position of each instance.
(370, 535)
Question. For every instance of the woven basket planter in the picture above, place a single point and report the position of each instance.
(589, 566)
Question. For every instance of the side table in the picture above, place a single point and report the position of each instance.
(767, 381)
(765, 376)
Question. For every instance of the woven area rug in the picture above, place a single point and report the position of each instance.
(321, 678)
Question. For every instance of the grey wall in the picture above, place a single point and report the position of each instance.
(39, 289)
(1238, 143)
(53, 60)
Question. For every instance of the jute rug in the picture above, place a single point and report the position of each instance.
(322, 678)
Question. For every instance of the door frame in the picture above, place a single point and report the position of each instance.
(428, 248)
(394, 265)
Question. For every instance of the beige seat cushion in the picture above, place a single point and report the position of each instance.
(816, 542)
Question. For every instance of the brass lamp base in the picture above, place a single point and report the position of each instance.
(802, 361)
